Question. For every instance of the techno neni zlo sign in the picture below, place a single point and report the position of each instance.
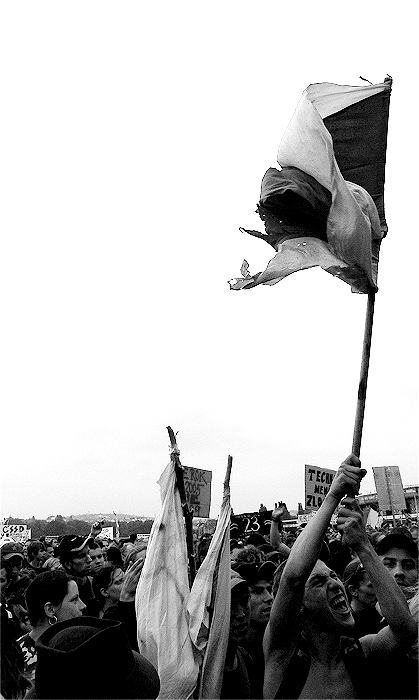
(317, 484)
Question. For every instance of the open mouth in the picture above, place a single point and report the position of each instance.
(339, 604)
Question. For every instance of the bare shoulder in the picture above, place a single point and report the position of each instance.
(382, 644)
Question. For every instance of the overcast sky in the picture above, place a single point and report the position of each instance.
(134, 137)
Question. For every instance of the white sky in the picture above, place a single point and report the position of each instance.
(134, 137)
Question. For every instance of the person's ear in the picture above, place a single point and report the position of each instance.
(49, 610)
(353, 591)
(104, 592)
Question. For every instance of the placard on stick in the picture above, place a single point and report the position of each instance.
(317, 484)
(390, 494)
(198, 490)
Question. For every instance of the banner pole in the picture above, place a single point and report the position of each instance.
(187, 513)
(362, 389)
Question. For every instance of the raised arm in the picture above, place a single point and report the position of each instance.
(276, 530)
(283, 622)
(402, 629)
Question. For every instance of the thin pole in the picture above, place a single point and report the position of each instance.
(187, 513)
(362, 389)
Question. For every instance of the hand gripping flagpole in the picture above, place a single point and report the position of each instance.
(187, 513)
(362, 389)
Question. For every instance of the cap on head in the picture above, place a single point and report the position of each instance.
(397, 541)
(70, 546)
(235, 579)
(256, 572)
(11, 549)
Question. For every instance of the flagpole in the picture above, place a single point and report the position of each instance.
(362, 389)
(187, 513)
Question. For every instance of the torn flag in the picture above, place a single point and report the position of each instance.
(209, 606)
(325, 206)
(162, 595)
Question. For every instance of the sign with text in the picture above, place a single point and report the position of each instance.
(198, 491)
(317, 484)
(248, 523)
(388, 483)
(18, 533)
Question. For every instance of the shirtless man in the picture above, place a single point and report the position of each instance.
(307, 651)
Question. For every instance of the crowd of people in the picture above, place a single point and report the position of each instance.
(331, 612)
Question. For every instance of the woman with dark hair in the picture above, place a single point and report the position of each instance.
(115, 596)
(107, 585)
(51, 597)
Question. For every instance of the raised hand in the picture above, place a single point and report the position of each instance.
(350, 524)
(348, 478)
(278, 511)
(131, 578)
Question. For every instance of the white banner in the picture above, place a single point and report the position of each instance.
(18, 533)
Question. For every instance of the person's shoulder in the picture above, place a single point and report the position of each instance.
(25, 639)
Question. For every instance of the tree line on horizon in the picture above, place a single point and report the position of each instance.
(59, 526)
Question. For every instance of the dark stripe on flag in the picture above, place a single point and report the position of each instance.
(359, 134)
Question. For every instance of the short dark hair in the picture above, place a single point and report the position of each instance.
(114, 556)
(95, 544)
(48, 587)
(34, 548)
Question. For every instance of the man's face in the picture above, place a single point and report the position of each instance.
(402, 566)
(260, 602)
(39, 558)
(364, 592)
(15, 566)
(80, 562)
(414, 533)
(98, 562)
(325, 602)
(240, 613)
(72, 605)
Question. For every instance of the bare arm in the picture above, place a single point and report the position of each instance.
(401, 630)
(276, 529)
(303, 556)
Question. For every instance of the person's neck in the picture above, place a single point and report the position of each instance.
(78, 577)
(322, 646)
(36, 632)
(357, 607)
(108, 604)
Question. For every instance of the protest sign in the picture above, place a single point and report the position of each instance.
(317, 484)
(18, 533)
(388, 483)
(106, 533)
(248, 523)
(198, 491)
(143, 537)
